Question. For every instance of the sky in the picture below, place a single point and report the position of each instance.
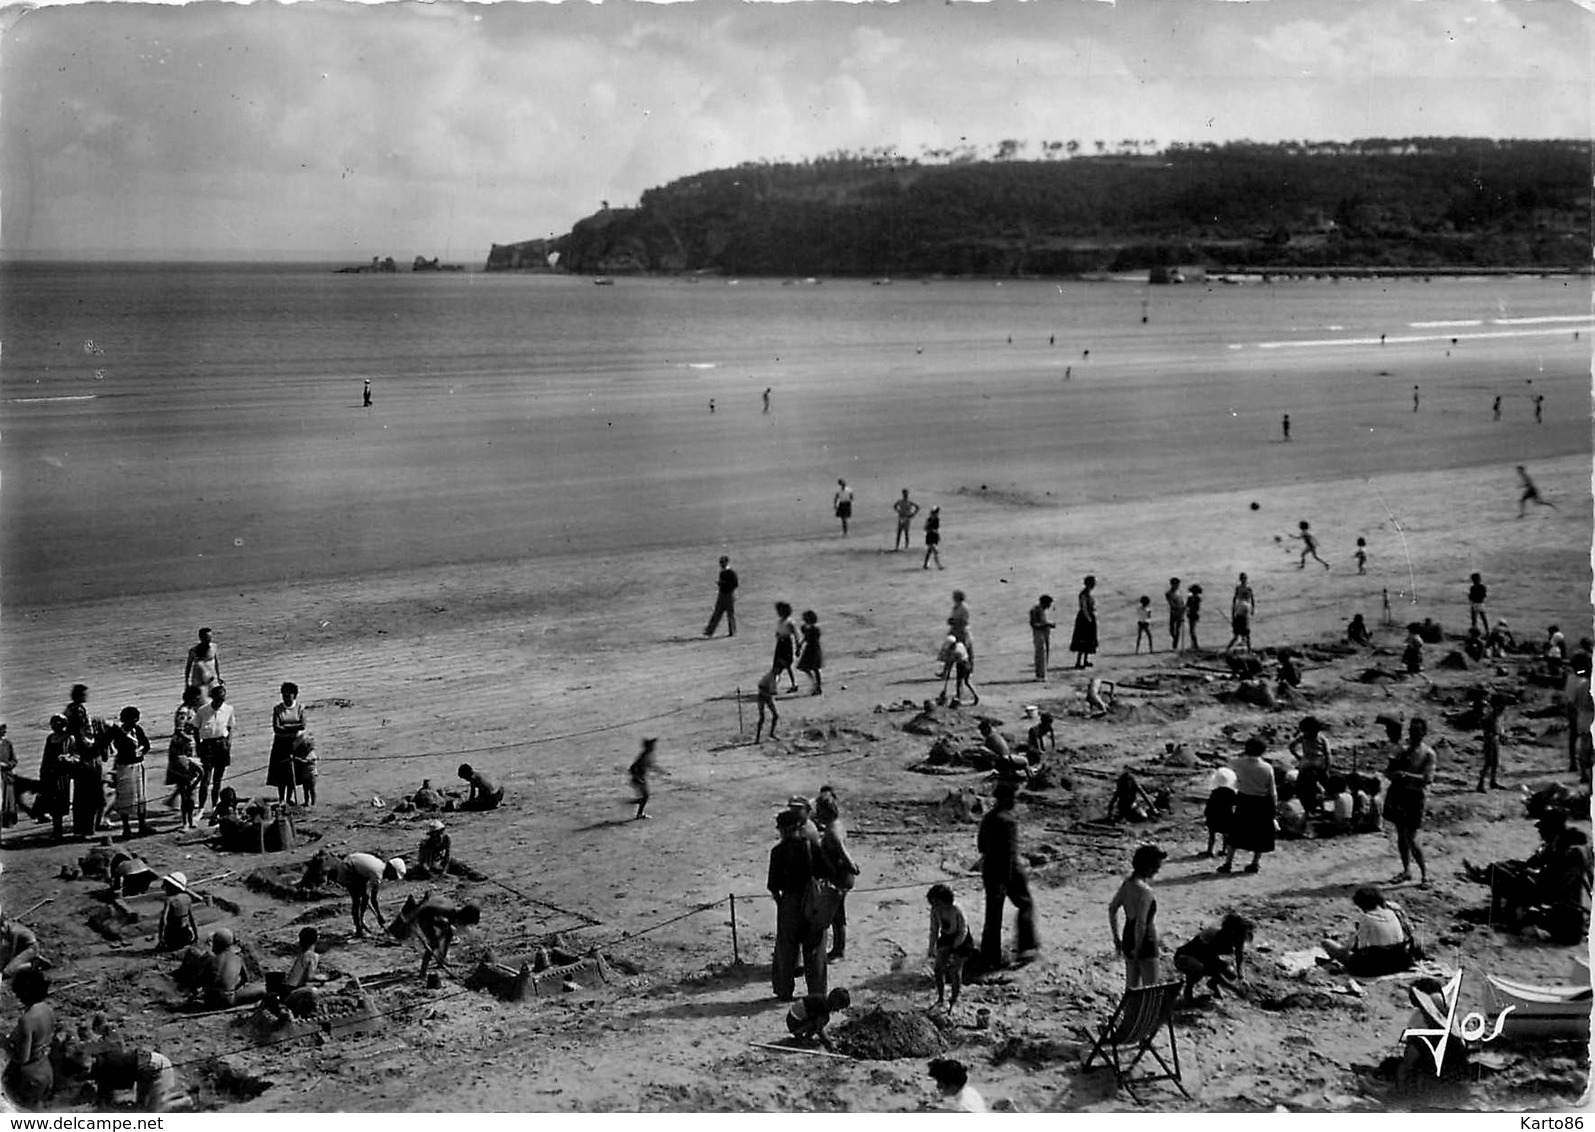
(329, 130)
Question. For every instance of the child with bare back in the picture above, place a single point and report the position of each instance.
(1309, 545)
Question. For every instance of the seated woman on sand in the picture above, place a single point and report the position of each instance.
(1383, 941)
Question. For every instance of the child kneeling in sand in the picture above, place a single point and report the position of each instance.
(810, 1014)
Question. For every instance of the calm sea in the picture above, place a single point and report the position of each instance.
(172, 426)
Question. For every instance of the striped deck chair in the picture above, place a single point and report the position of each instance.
(1130, 1033)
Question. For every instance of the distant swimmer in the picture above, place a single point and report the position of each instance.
(842, 503)
(1085, 355)
(1531, 493)
(366, 399)
(1052, 339)
(1285, 425)
(1309, 545)
(1068, 372)
(1414, 398)
(711, 404)
(767, 399)
(906, 509)
(1496, 408)
(1539, 408)
(1362, 556)
(1381, 339)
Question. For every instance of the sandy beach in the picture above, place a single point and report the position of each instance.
(438, 601)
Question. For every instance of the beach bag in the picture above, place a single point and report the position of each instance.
(820, 901)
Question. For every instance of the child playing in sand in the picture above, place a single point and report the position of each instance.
(767, 703)
(1309, 545)
(809, 1016)
(1143, 625)
(484, 794)
(950, 942)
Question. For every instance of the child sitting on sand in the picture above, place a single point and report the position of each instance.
(809, 1016)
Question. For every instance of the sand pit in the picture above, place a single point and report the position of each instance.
(880, 1034)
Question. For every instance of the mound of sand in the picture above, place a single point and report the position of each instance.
(886, 1035)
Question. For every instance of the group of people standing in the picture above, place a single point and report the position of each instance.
(84, 755)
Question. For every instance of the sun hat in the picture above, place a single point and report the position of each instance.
(177, 880)
(398, 866)
(799, 802)
(434, 826)
(222, 937)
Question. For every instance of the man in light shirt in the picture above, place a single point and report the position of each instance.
(214, 724)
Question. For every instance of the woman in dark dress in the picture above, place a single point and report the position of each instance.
(1256, 798)
(810, 657)
(287, 724)
(1084, 641)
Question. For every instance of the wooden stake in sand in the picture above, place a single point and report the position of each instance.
(800, 1049)
(36, 907)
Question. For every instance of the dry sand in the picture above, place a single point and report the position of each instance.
(546, 672)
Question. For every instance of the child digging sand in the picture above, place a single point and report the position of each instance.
(809, 1016)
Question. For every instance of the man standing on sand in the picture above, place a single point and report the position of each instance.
(1285, 425)
(725, 602)
(766, 398)
(1241, 608)
(1478, 592)
(792, 866)
(842, 503)
(213, 723)
(203, 668)
(1414, 398)
(1041, 626)
(906, 509)
(1176, 602)
(1496, 408)
(1002, 871)
(1530, 493)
